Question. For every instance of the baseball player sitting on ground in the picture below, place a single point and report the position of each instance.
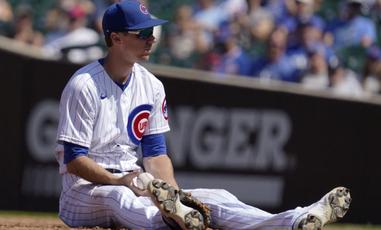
(110, 107)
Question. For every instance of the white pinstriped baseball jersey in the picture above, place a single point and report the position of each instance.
(110, 121)
(96, 113)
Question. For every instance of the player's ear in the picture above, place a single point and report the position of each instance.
(115, 38)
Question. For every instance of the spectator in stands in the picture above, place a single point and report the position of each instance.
(375, 10)
(79, 43)
(278, 8)
(375, 86)
(56, 22)
(316, 75)
(353, 29)
(302, 13)
(6, 17)
(187, 40)
(23, 29)
(371, 73)
(276, 64)
(232, 58)
(375, 15)
(343, 81)
(309, 35)
(58, 18)
(233, 7)
(85, 5)
(209, 16)
(256, 24)
(259, 20)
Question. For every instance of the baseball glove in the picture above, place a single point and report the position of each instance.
(187, 199)
(180, 210)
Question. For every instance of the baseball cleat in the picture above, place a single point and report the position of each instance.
(332, 207)
(167, 199)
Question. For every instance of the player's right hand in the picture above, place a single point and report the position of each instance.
(128, 180)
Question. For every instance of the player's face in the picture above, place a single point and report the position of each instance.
(137, 45)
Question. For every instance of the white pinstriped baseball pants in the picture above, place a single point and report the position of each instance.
(83, 204)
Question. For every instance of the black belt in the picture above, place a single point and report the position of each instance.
(117, 170)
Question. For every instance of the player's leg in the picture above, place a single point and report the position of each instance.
(330, 208)
(227, 212)
(87, 205)
(230, 213)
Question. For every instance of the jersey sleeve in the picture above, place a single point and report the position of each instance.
(77, 113)
(158, 119)
(153, 145)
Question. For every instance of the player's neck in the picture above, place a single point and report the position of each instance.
(118, 71)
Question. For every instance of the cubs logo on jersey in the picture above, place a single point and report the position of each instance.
(164, 109)
(137, 122)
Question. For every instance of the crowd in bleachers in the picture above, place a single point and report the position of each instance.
(319, 44)
(65, 29)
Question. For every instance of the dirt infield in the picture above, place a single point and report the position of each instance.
(32, 223)
(24, 222)
(36, 223)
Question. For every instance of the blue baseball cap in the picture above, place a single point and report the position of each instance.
(128, 15)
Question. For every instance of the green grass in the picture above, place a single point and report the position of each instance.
(28, 213)
(351, 227)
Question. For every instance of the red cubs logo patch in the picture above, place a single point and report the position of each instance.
(138, 122)
(164, 109)
(143, 9)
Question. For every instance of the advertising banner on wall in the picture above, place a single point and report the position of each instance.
(272, 149)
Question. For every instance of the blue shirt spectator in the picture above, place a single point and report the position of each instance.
(303, 13)
(309, 36)
(281, 69)
(278, 9)
(276, 64)
(353, 29)
(234, 61)
(209, 16)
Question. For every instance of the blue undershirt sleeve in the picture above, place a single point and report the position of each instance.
(153, 145)
(72, 151)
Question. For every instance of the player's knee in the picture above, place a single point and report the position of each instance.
(121, 194)
(224, 194)
(220, 194)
